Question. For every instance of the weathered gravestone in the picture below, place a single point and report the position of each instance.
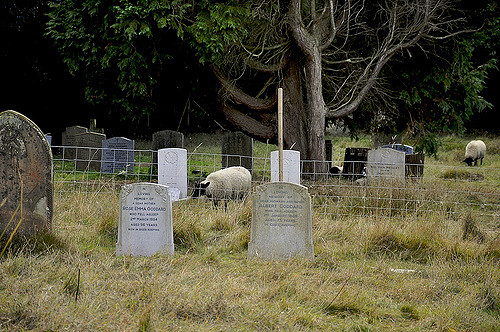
(26, 183)
(281, 222)
(117, 155)
(69, 139)
(145, 222)
(172, 171)
(400, 147)
(329, 152)
(48, 137)
(291, 166)
(385, 163)
(166, 139)
(89, 151)
(354, 162)
(237, 150)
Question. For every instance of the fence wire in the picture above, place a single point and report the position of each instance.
(452, 191)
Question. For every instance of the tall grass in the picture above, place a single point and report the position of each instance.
(421, 269)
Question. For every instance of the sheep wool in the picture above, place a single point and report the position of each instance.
(474, 150)
(229, 183)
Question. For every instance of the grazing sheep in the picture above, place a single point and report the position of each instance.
(475, 150)
(229, 183)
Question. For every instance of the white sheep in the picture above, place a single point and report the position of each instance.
(475, 150)
(229, 183)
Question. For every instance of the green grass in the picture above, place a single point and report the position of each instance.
(423, 269)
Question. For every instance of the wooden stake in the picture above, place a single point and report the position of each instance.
(280, 132)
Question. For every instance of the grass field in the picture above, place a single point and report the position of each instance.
(424, 270)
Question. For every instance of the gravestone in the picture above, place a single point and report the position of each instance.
(26, 181)
(145, 222)
(400, 147)
(291, 166)
(281, 222)
(414, 165)
(117, 155)
(69, 139)
(89, 151)
(172, 171)
(166, 139)
(385, 163)
(49, 139)
(329, 152)
(237, 150)
(354, 162)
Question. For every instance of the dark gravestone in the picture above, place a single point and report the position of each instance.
(25, 167)
(399, 147)
(165, 139)
(89, 151)
(329, 152)
(237, 150)
(355, 162)
(414, 165)
(117, 155)
(69, 139)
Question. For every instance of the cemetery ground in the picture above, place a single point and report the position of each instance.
(424, 269)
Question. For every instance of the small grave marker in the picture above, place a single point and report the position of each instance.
(145, 225)
(291, 166)
(89, 151)
(117, 155)
(25, 167)
(354, 162)
(281, 222)
(237, 150)
(385, 163)
(172, 171)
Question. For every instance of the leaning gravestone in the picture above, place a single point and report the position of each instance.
(89, 151)
(385, 163)
(281, 222)
(26, 182)
(172, 171)
(237, 150)
(69, 139)
(145, 222)
(291, 166)
(400, 147)
(117, 155)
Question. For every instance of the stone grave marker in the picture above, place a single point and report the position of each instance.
(145, 222)
(49, 139)
(400, 147)
(117, 155)
(354, 162)
(166, 139)
(385, 163)
(69, 139)
(237, 150)
(172, 171)
(25, 167)
(281, 222)
(89, 151)
(291, 166)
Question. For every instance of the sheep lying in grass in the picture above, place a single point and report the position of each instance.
(475, 150)
(229, 183)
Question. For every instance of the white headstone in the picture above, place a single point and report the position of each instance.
(117, 155)
(385, 163)
(172, 170)
(145, 227)
(281, 222)
(291, 166)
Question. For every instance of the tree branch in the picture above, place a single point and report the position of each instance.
(241, 97)
(248, 124)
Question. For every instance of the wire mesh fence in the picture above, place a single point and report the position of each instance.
(423, 190)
